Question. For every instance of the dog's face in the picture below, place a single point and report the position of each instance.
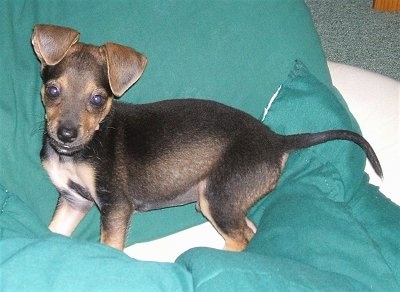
(77, 96)
(80, 82)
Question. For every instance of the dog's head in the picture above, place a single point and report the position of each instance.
(80, 82)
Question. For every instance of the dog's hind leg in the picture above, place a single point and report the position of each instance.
(232, 189)
(229, 219)
(233, 227)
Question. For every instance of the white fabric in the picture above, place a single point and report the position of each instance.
(375, 102)
(168, 248)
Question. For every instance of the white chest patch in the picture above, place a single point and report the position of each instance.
(65, 173)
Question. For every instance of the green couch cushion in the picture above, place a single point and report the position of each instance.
(224, 271)
(34, 259)
(323, 226)
(236, 53)
(61, 264)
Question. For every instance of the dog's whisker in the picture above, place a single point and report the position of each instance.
(39, 128)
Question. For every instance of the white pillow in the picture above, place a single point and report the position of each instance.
(374, 100)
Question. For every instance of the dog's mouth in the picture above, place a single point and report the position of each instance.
(65, 149)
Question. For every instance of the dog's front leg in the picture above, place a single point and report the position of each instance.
(68, 214)
(114, 224)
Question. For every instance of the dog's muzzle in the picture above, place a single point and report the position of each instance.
(65, 139)
(64, 148)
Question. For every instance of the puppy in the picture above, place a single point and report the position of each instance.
(127, 158)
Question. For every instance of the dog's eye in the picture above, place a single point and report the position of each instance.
(97, 100)
(52, 91)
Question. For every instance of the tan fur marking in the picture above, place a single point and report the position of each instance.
(234, 245)
(90, 121)
(113, 240)
(251, 225)
(230, 244)
(284, 160)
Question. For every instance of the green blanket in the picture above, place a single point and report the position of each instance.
(323, 228)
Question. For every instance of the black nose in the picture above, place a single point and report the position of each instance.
(67, 133)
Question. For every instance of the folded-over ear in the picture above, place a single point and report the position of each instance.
(124, 65)
(51, 42)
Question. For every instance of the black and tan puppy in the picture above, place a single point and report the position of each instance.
(125, 158)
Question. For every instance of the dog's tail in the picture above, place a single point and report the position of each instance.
(295, 142)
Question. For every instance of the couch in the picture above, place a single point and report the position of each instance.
(324, 227)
